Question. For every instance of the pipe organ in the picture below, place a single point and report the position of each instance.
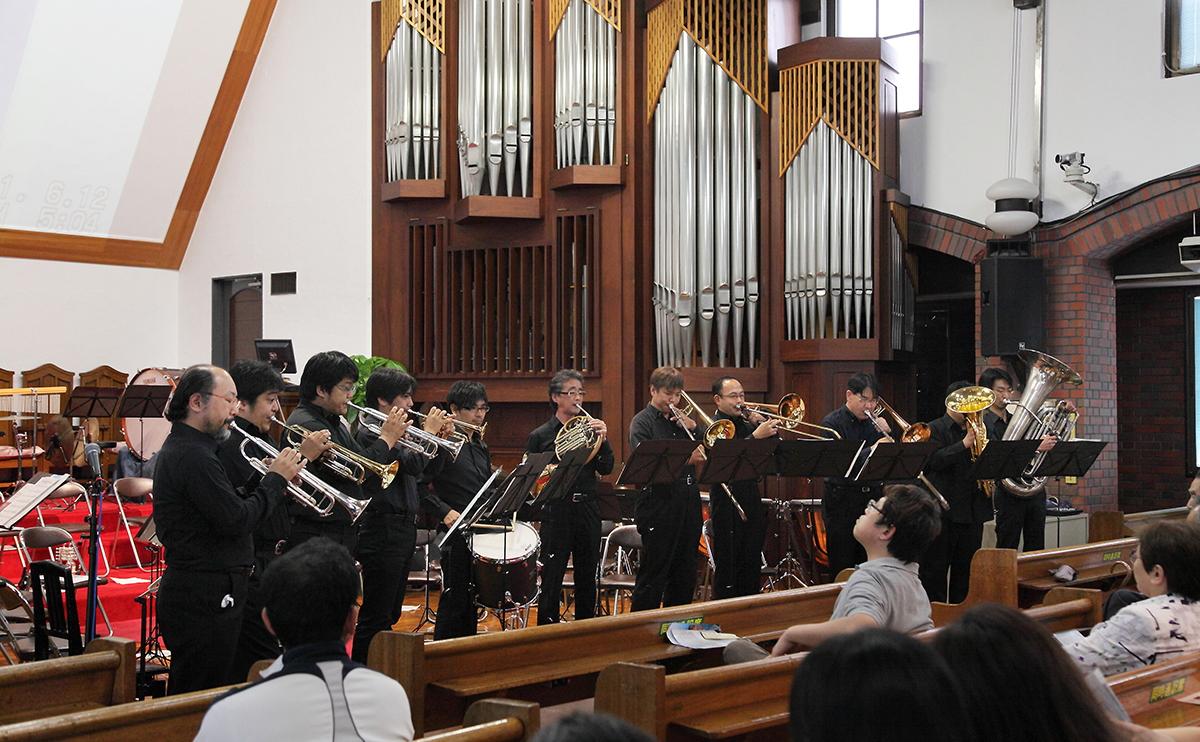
(585, 81)
(413, 51)
(706, 142)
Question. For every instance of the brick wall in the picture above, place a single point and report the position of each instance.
(1151, 404)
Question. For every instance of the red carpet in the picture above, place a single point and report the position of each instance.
(125, 581)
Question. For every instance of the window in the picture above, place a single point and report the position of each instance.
(1181, 54)
(898, 22)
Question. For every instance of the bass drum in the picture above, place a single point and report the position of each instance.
(506, 568)
(145, 435)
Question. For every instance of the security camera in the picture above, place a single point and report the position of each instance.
(1073, 159)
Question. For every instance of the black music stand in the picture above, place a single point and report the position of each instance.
(896, 461)
(739, 460)
(1070, 458)
(812, 459)
(1003, 459)
(144, 400)
(473, 512)
(565, 473)
(512, 492)
(656, 462)
(93, 401)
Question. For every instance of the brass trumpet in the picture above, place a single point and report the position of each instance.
(424, 443)
(480, 429)
(790, 413)
(329, 496)
(915, 433)
(344, 462)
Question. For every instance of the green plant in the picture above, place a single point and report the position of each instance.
(366, 366)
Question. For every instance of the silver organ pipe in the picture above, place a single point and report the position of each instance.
(494, 101)
(706, 213)
(585, 53)
(828, 284)
(412, 87)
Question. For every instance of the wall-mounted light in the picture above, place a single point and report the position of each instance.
(1014, 206)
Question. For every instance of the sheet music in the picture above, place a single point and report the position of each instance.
(28, 497)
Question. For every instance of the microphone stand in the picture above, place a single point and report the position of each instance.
(92, 451)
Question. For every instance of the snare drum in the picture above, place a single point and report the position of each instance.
(145, 435)
(506, 569)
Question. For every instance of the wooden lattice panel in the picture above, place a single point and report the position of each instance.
(609, 10)
(732, 32)
(843, 93)
(427, 16)
(527, 309)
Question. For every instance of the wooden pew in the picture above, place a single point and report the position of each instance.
(1109, 525)
(1148, 694)
(177, 719)
(104, 675)
(993, 580)
(1105, 566)
(723, 702)
(443, 677)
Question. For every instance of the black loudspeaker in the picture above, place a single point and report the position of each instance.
(1012, 292)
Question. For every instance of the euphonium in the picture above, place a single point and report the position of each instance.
(328, 495)
(341, 460)
(1045, 374)
(971, 402)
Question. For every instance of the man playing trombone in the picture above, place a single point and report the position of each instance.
(327, 385)
(571, 524)
(737, 544)
(258, 388)
(845, 499)
(387, 531)
(205, 527)
(668, 516)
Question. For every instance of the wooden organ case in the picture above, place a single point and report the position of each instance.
(601, 185)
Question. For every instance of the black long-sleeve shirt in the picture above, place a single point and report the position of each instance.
(852, 429)
(245, 478)
(542, 439)
(402, 498)
(745, 430)
(203, 523)
(652, 425)
(311, 417)
(947, 469)
(456, 482)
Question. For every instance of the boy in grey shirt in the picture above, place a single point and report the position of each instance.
(885, 591)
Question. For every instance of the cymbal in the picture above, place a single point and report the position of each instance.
(8, 418)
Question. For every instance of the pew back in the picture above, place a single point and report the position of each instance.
(104, 675)
(1105, 565)
(160, 719)
(1151, 694)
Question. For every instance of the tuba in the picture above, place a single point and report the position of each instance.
(1045, 374)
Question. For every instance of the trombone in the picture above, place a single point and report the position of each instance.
(915, 433)
(425, 443)
(790, 413)
(715, 430)
(329, 495)
(344, 462)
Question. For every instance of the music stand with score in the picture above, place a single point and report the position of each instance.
(656, 462)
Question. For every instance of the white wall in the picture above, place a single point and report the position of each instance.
(293, 190)
(1105, 96)
(79, 316)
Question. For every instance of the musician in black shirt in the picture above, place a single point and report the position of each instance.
(453, 488)
(258, 388)
(668, 516)
(205, 528)
(387, 531)
(737, 544)
(327, 384)
(846, 499)
(570, 524)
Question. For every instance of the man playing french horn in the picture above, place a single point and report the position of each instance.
(571, 524)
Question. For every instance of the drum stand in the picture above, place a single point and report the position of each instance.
(790, 568)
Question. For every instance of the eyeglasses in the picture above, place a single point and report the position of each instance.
(231, 399)
(874, 505)
(735, 395)
(481, 408)
(865, 400)
(348, 388)
(574, 392)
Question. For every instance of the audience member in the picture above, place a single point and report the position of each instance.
(584, 727)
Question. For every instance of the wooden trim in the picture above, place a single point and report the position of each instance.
(168, 253)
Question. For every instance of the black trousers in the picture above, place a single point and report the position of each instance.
(255, 642)
(456, 615)
(1020, 515)
(737, 544)
(669, 525)
(200, 615)
(841, 507)
(569, 529)
(303, 529)
(951, 551)
(385, 551)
